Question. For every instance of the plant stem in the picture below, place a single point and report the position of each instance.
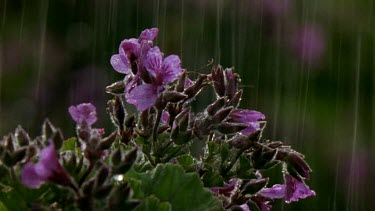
(88, 171)
(155, 132)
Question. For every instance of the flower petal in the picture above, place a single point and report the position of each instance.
(129, 50)
(296, 190)
(246, 116)
(84, 113)
(153, 61)
(143, 96)
(29, 177)
(275, 192)
(149, 34)
(171, 69)
(118, 64)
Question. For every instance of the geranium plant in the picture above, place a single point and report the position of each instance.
(147, 162)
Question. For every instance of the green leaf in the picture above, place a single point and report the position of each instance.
(171, 184)
(187, 162)
(153, 204)
(213, 179)
(2, 207)
(69, 145)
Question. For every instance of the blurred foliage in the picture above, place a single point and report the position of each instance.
(56, 53)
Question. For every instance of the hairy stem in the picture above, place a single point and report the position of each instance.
(88, 171)
(155, 132)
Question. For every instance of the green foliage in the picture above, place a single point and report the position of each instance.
(169, 183)
(152, 203)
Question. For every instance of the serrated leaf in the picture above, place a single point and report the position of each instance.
(153, 204)
(187, 162)
(170, 183)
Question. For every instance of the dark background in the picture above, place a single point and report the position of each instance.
(317, 94)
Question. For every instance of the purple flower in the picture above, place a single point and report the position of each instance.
(47, 169)
(295, 190)
(308, 43)
(249, 117)
(84, 113)
(131, 49)
(245, 207)
(291, 191)
(161, 72)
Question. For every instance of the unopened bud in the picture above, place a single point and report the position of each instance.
(181, 82)
(47, 130)
(235, 101)
(182, 119)
(127, 163)
(174, 97)
(107, 142)
(10, 143)
(19, 154)
(116, 88)
(222, 114)
(57, 139)
(217, 105)
(116, 157)
(218, 80)
(195, 88)
(254, 185)
(233, 79)
(22, 136)
(228, 128)
(299, 165)
(102, 176)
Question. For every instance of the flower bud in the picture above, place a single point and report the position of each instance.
(235, 101)
(228, 128)
(174, 97)
(253, 186)
(116, 88)
(102, 176)
(181, 82)
(218, 80)
(232, 80)
(298, 164)
(10, 143)
(222, 114)
(19, 155)
(195, 88)
(116, 157)
(217, 105)
(22, 137)
(47, 130)
(107, 142)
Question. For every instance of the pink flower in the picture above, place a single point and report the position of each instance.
(131, 49)
(47, 169)
(292, 190)
(84, 113)
(161, 72)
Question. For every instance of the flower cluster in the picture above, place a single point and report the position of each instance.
(145, 69)
(132, 167)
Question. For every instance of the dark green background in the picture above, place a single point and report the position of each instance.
(56, 53)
